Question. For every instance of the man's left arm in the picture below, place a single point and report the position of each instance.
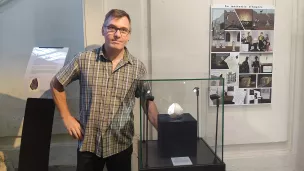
(142, 88)
(153, 114)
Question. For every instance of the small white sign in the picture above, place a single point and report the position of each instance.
(181, 161)
(44, 63)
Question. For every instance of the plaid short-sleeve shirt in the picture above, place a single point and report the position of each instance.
(107, 99)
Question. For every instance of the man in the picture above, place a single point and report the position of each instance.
(256, 65)
(244, 67)
(249, 41)
(261, 41)
(108, 78)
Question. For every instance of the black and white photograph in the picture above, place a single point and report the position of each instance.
(228, 94)
(257, 96)
(218, 60)
(230, 78)
(224, 61)
(218, 24)
(216, 74)
(264, 80)
(263, 19)
(255, 63)
(247, 81)
(257, 41)
(266, 62)
(265, 95)
(251, 96)
(232, 21)
(215, 90)
(230, 43)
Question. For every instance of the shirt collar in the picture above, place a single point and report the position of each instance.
(127, 56)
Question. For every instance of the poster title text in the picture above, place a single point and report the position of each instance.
(244, 6)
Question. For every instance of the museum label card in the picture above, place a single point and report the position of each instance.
(181, 161)
(43, 64)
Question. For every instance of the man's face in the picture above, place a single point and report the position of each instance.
(116, 39)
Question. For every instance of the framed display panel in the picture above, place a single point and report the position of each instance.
(189, 132)
(241, 51)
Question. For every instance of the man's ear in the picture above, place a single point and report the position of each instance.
(129, 37)
(102, 31)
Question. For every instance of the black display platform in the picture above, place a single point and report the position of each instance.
(204, 161)
(177, 137)
(36, 135)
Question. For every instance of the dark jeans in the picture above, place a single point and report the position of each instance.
(87, 161)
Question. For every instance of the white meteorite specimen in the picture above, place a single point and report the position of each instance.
(175, 110)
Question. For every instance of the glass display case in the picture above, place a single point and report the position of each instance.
(187, 133)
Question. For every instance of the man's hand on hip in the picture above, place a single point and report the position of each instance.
(73, 126)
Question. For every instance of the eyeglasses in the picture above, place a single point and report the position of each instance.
(113, 30)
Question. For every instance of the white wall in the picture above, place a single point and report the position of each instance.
(298, 107)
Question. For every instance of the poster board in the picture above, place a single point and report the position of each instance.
(44, 63)
(241, 51)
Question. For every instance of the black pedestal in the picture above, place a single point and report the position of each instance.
(205, 160)
(36, 135)
(177, 137)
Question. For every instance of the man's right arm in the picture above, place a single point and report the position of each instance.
(65, 76)
(59, 96)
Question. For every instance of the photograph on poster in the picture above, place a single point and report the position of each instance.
(231, 43)
(255, 63)
(224, 61)
(247, 81)
(264, 80)
(218, 24)
(265, 95)
(215, 90)
(263, 19)
(235, 96)
(216, 74)
(230, 78)
(232, 21)
(257, 41)
(252, 96)
(266, 62)
(228, 93)
(245, 17)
